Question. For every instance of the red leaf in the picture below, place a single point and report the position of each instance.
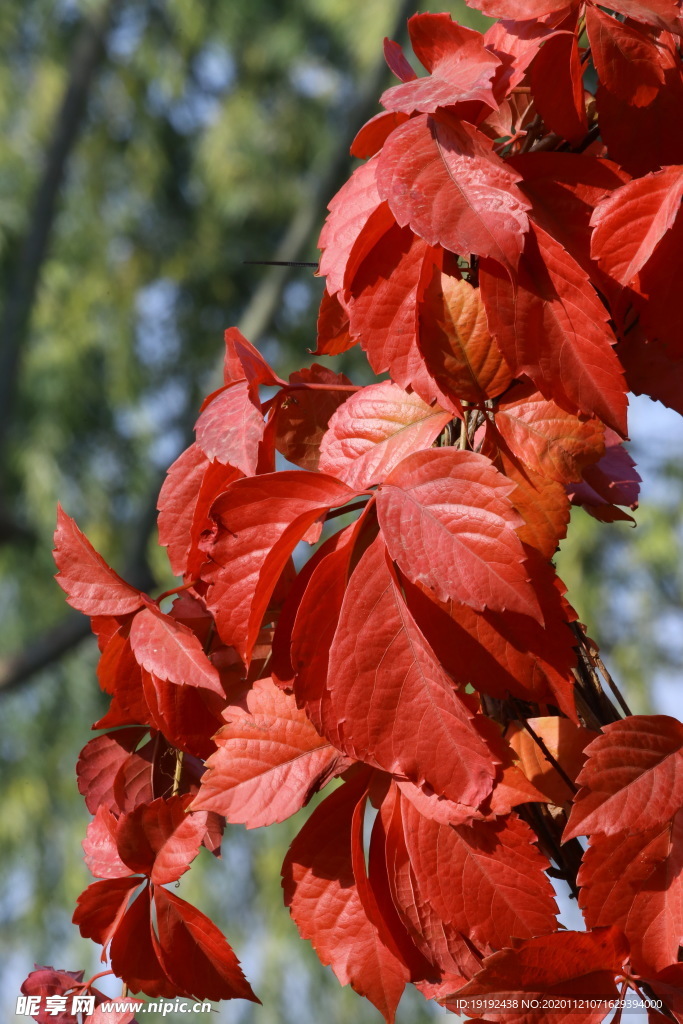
(439, 942)
(161, 839)
(442, 177)
(84, 576)
(563, 964)
(661, 313)
(455, 503)
(611, 481)
(437, 808)
(512, 789)
(120, 674)
(187, 717)
(633, 779)
(135, 952)
(516, 43)
(460, 67)
(303, 415)
(100, 908)
(376, 880)
(99, 846)
(556, 80)
(485, 880)
(135, 780)
(259, 523)
(387, 291)
(376, 428)
(650, 370)
(503, 653)
(171, 651)
(397, 61)
(553, 328)
(631, 221)
(636, 883)
(625, 57)
(190, 488)
(564, 189)
(644, 139)
(45, 982)
(542, 502)
(349, 213)
(281, 661)
(454, 338)
(548, 439)
(231, 426)
(333, 327)
(375, 133)
(98, 763)
(662, 14)
(520, 9)
(269, 763)
(668, 985)
(177, 503)
(388, 700)
(323, 898)
(243, 361)
(194, 952)
(314, 627)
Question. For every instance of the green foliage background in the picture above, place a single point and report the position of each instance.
(207, 127)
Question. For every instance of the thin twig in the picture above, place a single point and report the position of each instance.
(463, 442)
(177, 773)
(612, 685)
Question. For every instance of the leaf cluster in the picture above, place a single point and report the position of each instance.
(507, 255)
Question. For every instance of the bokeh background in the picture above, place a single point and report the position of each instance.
(147, 149)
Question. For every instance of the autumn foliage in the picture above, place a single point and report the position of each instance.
(509, 257)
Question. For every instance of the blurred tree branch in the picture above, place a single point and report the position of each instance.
(88, 53)
(254, 322)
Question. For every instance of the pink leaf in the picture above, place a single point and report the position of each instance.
(231, 427)
(161, 839)
(633, 779)
(441, 177)
(460, 67)
(259, 523)
(350, 210)
(322, 894)
(485, 880)
(171, 651)
(448, 522)
(553, 328)
(84, 576)
(631, 222)
(377, 427)
(269, 762)
(625, 57)
(388, 700)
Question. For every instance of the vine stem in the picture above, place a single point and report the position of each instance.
(178, 772)
(463, 443)
(610, 682)
(176, 590)
(89, 982)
